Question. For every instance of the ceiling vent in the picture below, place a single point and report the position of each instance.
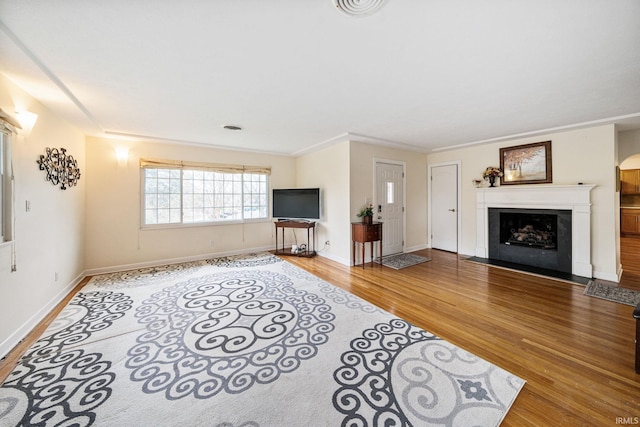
(358, 7)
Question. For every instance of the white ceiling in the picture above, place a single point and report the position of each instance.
(297, 74)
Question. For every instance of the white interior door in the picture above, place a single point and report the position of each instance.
(444, 207)
(389, 206)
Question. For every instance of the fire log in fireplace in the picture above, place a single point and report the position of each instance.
(533, 237)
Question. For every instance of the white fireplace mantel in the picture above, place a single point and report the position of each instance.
(576, 198)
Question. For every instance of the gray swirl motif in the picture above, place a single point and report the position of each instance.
(397, 374)
(245, 260)
(64, 387)
(332, 292)
(226, 332)
(144, 276)
(365, 395)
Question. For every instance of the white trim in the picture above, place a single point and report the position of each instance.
(430, 167)
(606, 121)
(340, 260)
(571, 197)
(19, 334)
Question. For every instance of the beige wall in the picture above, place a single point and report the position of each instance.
(49, 240)
(362, 182)
(329, 170)
(585, 155)
(629, 149)
(113, 235)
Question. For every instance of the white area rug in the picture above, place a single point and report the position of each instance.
(244, 341)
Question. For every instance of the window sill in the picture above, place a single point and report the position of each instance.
(202, 224)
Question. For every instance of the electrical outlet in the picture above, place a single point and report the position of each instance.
(211, 243)
(55, 276)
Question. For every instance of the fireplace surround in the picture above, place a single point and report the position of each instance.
(573, 198)
(533, 237)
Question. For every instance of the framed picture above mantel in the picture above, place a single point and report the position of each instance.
(526, 164)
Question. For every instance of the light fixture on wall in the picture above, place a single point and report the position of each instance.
(27, 120)
(122, 156)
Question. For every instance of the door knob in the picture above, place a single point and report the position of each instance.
(452, 210)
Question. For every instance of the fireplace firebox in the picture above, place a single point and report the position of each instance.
(533, 237)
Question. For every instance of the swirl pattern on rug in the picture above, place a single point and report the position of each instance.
(397, 374)
(55, 385)
(225, 332)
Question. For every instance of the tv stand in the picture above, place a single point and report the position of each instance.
(309, 226)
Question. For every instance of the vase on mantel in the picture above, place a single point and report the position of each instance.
(492, 181)
(367, 219)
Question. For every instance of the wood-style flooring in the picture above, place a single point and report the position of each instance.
(575, 352)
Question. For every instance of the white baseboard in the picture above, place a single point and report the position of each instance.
(611, 277)
(17, 336)
(415, 248)
(340, 260)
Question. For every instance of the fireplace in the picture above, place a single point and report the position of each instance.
(533, 237)
(572, 238)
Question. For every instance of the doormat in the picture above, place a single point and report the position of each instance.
(612, 293)
(399, 261)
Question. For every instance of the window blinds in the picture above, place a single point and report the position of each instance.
(212, 167)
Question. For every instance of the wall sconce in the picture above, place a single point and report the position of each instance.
(27, 120)
(122, 156)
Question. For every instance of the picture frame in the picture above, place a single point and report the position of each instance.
(526, 164)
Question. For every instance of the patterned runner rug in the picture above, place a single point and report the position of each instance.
(399, 261)
(612, 293)
(244, 341)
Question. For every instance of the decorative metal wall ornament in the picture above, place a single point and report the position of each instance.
(61, 168)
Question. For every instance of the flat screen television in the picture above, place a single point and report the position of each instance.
(296, 203)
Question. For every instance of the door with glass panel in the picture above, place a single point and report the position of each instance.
(389, 205)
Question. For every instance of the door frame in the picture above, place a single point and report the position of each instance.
(377, 160)
(430, 166)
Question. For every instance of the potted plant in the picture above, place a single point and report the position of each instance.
(491, 173)
(366, 213)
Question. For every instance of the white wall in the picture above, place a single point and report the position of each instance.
(329, 170)
(585, 155)
(49, 239)
(114, 238)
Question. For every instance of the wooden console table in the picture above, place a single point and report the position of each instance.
(363, 233)
(310, 226)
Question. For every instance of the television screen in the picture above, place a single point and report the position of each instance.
(296, 203)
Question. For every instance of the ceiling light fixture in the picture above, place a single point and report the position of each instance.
(358, 7)
(232, 127)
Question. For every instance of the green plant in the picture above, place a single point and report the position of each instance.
(366, 210)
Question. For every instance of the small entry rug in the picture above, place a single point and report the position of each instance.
(612, 293)
(399, 261)
(248, 341)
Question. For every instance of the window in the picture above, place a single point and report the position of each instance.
(6, 198)
(191, 193)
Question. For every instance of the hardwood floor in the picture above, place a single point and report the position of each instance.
(575, 352)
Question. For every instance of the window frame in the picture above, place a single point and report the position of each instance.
(182, 167)
(6, 188)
